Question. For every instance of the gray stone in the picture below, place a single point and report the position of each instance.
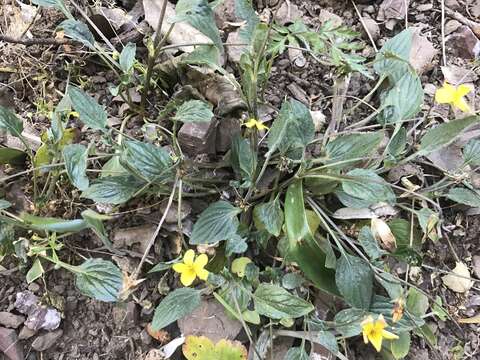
(10, 345)
(46, 341)
(11, 320)
(198, 138)
(26, 333)
(125, 316)
(227, 128)
(464, 43)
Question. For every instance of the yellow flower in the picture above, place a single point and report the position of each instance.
(374, 331)
(192, 268)
(255, 123)
(449, 94)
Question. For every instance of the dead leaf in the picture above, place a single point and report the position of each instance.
(421, 53)
(161, 336)
(459, 279)
(473, 320)
(381, 231)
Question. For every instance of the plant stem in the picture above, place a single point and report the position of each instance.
(152, 57)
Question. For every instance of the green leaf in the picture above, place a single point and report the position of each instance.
(277, 303)
(348, 322)
(369, 243)
(368, 186)
(4, 204)
(245, 11)
(471, 152)
(393, 57)
(403, 101)
(243, 158)
(162, 266)
(236, 244)
(35, 271)
(354, 279)
(427, 333)
(438, 310)
(385, 306)
(218, 222)
(401, 346)
(78, 31)
(464, 196)
(75, 157)
(292, 131)
(12, 156)
(57, 4)
(94, 222)
(147, 161)
(10, 122)
(127, 57)
(303, 247)
(100, 279)
(296, 353)
(444, 134)
(269, 216)
(91, 113)
(398, 143)
(417, 303)
(52, 224)
(113, 189)
(291, 281)
(174, 306)
(353, 146)
(194, 111)
(113, 168)
(198, 14)
(390, 284)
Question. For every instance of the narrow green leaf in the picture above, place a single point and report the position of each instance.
(147, 161)
(95, 222)
(127, 57)
(277, 303)
(113, 189)
(245, 11)
(464, 196)
(354, 279)
(52, 224)
(91, 113)
(75, 157)
(444, 134)
(10, 122)
(99, 279)
(303, 247)
(194, 111)
(243, 159)
(200, 15)
(269, 216)
(35, 271)
(393, 57)
(218, 222)
(292, 131)
(174, 306)
(78, 31)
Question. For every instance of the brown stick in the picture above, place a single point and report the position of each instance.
(29, 42)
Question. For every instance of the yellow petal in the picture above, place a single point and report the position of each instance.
(463, 90)
(388, 335)
(188, 277)
(188, 257)
(376, 341)
(446, 94)
(200, 262)
(251, 123)
(180, 267)
(462, 105)
(202, 274)
(365, 338)
(260, 126)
